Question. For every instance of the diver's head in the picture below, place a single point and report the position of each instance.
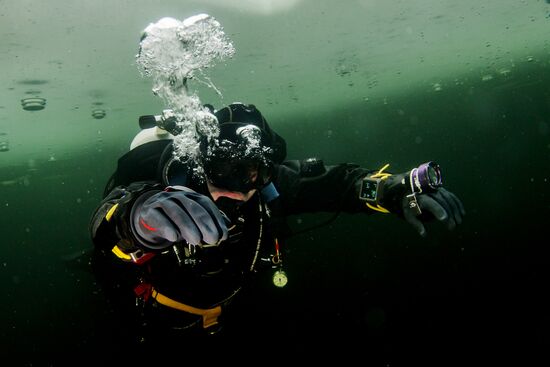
(241, 157)
(238, 159)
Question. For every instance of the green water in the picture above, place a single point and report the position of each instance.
(478, 289)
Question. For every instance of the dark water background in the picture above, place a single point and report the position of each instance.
(365, 287)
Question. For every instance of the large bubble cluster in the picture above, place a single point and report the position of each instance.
(171, 53)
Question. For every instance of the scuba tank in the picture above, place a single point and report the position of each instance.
(155, 127)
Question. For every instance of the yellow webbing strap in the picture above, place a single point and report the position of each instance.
(111, 212)
(382, 176)
(121, 254)
(209, 316)
(378, 208)
(116, 250)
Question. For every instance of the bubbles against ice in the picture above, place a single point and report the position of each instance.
(171, 53)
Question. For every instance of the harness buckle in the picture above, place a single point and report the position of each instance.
(137, 257)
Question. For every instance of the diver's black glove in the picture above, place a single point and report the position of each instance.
(417, 208)
(163, 218)
(441, 204)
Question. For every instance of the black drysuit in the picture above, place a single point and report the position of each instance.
(210, 277)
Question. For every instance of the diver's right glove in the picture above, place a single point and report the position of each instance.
(160, 219)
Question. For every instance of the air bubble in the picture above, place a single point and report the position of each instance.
(171, 53)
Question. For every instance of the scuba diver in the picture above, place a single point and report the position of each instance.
(176, 242)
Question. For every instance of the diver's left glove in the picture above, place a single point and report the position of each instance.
(416, 196)
(161, 219)
(441, 204)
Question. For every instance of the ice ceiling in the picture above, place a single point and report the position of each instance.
(292, 56)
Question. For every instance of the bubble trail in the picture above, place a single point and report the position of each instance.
(171, 53)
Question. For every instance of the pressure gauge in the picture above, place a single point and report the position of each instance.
(280, 279)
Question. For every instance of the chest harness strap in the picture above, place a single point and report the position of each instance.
(209, 315)
(145, 290)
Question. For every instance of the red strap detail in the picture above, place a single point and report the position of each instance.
(276, 247)
(146, 256)
(143, 290)
(142, 222)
